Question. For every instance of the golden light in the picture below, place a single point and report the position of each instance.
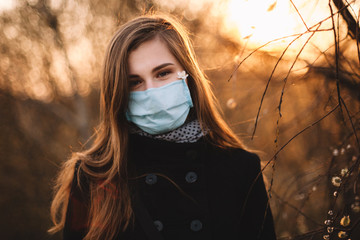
(262, 21)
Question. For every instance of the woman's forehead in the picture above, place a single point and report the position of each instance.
(150, 54)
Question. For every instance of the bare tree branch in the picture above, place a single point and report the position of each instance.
(353, 26)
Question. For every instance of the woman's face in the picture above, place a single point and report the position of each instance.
(151, 65)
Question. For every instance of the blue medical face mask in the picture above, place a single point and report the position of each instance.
(162, 109)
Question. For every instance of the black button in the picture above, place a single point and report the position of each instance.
(151, 179)
(158, 224)
(191, 177)
(195, 225)
(192, 154)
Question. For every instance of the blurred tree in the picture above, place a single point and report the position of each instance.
(50, 63)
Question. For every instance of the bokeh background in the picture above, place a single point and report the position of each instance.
(286, 73)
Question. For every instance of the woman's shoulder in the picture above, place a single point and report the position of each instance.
(236, 153)
(236, 159)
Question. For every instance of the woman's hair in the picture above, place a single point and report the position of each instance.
(105, 162)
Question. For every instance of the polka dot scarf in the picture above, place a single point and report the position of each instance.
(188, 133)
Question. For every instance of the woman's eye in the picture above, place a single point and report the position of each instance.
(163, 74)
(134, 83)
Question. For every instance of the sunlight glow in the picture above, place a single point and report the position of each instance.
(263, 21)
(7, 5)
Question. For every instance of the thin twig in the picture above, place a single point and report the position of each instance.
(297, 37)
(290, 69)
(296, 135)
(257, 49)
(282, 38)
(299, 15)
(280, 103)
(296, 209)
(337, 48)
(268, 83)
(271, 159)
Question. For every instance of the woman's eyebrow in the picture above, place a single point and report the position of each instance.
(154, 69)
(133, 76)
(161, 66)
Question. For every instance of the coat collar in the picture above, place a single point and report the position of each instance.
(145, 146)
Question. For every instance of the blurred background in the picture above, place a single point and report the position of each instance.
(286, 73)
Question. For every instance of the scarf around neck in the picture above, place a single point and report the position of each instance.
(189, 132)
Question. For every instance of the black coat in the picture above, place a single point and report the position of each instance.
(192, 191)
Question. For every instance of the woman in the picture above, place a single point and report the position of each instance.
(164, 164)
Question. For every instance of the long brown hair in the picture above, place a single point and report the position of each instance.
(105, 162)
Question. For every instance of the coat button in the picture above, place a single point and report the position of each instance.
(151, 179)
(191, 177)
(195, 225)
(158, 224)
